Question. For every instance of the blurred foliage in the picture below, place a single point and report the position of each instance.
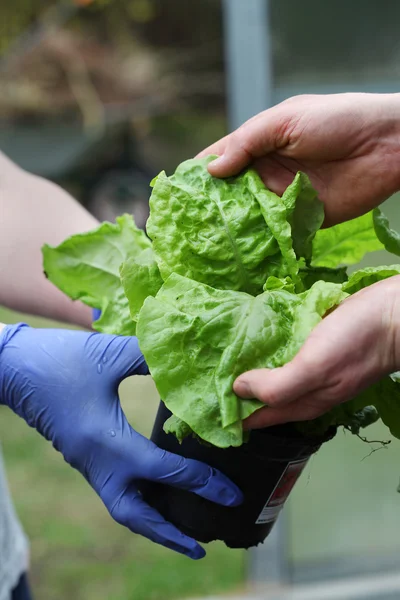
(81, 58)
(146, 57)
(95, 93)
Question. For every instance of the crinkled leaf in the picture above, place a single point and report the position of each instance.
(387, 236)
(365, 277)
(197, 340)
(86, 268)
(177, 427)
(275, 215)
(305, 213)
(213, 231)
(314, 304)
(346, 243)
(276, 283)
(239, 237)
(140, 278)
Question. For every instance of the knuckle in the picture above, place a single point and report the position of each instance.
(246, 144)
(205, 473)
(241, 140)
(309, 413)
(81, 441)
(178, 462)
(269, 397)
(151, 460)
(119, 516)
(285, 129)
(313, 367)
(170, 464)
(197, 472)
(87, 433)
(299, 99)
(337, 392)
(126, 514)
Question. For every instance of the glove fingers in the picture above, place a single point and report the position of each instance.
(126, 357)
(132, 512)
(194, 476)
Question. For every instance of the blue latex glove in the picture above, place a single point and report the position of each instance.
(65, 385)
(96, 313)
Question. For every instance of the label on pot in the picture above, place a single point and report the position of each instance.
(281, 491)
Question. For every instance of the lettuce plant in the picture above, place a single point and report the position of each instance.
(230, 277)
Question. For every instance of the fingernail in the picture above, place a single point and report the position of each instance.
(242, 388)
(217, 161)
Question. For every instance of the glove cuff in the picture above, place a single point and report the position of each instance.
(8, 333)
(6, 336)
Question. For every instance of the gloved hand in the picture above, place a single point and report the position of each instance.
(96, 314)
(65, 385)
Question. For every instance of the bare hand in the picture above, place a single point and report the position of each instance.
(348, 144)
(350, 349)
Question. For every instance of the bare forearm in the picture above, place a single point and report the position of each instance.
(34, 211)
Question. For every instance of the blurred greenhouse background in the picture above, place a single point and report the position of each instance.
(99, 96)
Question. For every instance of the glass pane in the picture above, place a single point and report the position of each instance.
(334, 46)
(343, 512)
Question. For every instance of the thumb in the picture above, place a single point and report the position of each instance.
(126, 358)
(259, 136)
(277, 387)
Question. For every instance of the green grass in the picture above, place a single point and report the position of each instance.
(77, 550)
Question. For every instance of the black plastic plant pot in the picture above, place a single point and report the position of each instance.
(265, 469)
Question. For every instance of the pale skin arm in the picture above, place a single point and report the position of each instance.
(33, 212)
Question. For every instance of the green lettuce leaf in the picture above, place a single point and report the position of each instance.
(276, 283)
(275, 215)
(220, 290)
(178, 428)
(387, 236)
(86, 268)
(305, 213)
(365, 277)
(140, 277)
(230, 234)
(314, 304)
(385, 396)
(197, 340)
(310, 275)
(346, 243)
